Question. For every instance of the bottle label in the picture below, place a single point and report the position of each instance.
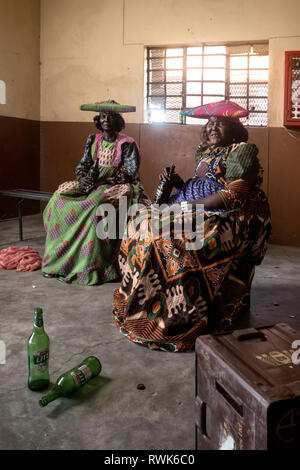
(40, 360)
(38, 322)
(81, 375)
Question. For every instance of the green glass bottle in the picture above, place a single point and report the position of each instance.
(38, 354)
(72, 380)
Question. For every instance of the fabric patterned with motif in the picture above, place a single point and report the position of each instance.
(73, 252)
(170, 294)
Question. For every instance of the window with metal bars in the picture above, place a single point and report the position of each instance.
(185, 77)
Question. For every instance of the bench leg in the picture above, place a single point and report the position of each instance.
(20, 219)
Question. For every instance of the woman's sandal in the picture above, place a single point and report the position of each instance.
(49, 275)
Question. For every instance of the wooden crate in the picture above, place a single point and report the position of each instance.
(248, 389)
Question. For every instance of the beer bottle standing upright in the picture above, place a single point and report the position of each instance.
(71, 381)
(38, 354)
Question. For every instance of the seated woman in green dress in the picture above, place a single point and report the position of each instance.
(108, 170)
(172, 290)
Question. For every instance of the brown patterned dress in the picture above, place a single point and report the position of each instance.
(170, 294)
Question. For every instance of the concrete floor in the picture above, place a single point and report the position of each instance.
(109, 413)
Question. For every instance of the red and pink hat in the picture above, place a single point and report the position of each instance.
(225, 108)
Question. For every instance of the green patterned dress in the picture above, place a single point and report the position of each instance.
(73, 251)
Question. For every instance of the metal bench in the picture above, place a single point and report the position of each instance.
(22, 194)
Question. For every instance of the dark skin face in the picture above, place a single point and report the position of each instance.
(219, 131)
(108, 124)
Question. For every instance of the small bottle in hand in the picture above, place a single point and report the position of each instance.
(164, 186)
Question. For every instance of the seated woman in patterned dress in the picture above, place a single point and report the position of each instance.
(109, 169)
(172, 293)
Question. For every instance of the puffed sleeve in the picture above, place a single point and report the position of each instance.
(130, 159)
(86, 162)
(243, 173)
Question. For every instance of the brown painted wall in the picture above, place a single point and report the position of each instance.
(165, 144)
(284, 186)
(62, 146)
(19, 162)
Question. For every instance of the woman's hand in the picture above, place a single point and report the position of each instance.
(165, 176)
(86, 181)
(172, 179)
(212, 202)
(177, 181)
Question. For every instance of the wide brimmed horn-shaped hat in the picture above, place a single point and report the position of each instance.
(108, 106)
(225, 108)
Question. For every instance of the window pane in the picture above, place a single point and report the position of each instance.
(156, 53)
(215, 50)
(174, 52)
(174, 75)
(193, 88)
(193, 101)
(259, 62)
(172, 116)
(194, 61)
(238, 75)
(156, 102)
(193, 74)
(241, 101)
(258, 104)
(174, 102)
(214, 88)
(156, 63)
(238, 90)
(156, 89)
(194, 50)
(157, 76)
(174, 63)
(211, 99)
(258, 90)
(214, 74)
(257, 119)
(239, 62)
(258, 75)
(157, 115)
(214, 61)
(174, 88)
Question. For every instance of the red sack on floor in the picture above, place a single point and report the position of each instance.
(20, 259)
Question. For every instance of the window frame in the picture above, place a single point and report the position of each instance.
(227, 83)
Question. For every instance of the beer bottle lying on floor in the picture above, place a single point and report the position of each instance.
(72, 380)
(38, 354)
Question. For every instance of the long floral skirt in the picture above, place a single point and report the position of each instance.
(73, 251)
(170, 294)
